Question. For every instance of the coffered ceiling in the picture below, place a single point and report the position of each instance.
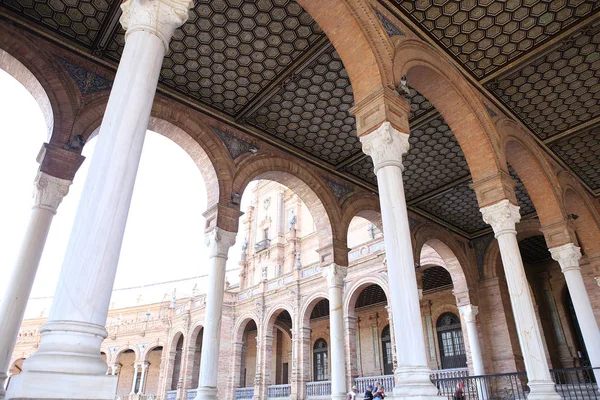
(266, 67)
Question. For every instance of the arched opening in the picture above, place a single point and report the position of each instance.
(320, 361)
(126, 361)
(177, 357)
(388, 354)
(279, 352)
(248, 355)
(151, 380)
(196, 359)
(364, 238)
(451, 343)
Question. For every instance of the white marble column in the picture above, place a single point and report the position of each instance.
(218, 241)
(503, 216)
(568, 257)
(335, 274)
(68, 363)
(469, 314)
(134, 380)
(48, 194)
(386, 145)
(143, 378)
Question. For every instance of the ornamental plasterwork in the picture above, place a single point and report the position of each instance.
(502, 216)
(567, 255)
(49, 191)
(385, 146)
(338, 190)
(235, 146)
(87, 81)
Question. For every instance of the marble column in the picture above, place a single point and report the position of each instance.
(143, 377)
(134, 380)
(218, 241)
(48, 194)
(335, 274)
(386, 146)
(503, 216)
(568, 256)
(469, 315)
(68, 363)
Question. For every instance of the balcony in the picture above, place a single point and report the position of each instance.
(262, 245)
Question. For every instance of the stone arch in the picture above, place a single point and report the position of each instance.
(240, 326)
(194, 331)
(55, 92)
(174, 369)
(309, 305)
(150, 348)
(364, 205)
(525, 156)
(359, 39)
(587, 223)
(355, 289)
(442, 84)
(123, 349)
(301, 179)
(274, 312)
(184, 129)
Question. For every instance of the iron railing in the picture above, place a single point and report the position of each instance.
(318, 389)
(279, 391)
(244, 393)
(571, 384)
(262, 245)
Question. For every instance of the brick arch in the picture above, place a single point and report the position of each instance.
(303, 181)
(62, 95)
(309, 306)
(187, 131)
(240, 326)
(578, 202)
(462, 269)
(440, 82)
(355, 32)
(149, 349)
(194, 331)
(352, 293)
(364, 205)
(123, 349)
(274, 313)
(535, 172)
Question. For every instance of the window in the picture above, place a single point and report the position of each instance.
(320, 361)
(386, 346)
(266, 233)
(450, 340)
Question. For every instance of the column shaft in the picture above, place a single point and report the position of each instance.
(143, 378)
(469, 313)
(335, 281)
(568, 257)
(386, 146)
(502, 217)
(49, 192)
(134, 381)
(219, 242)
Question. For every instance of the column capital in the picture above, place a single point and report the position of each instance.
(219, 241)
(334, 274)
(49, 191)
(468, 312)
(502, 216)
(567, 255)
(386, 146)
(160, 17)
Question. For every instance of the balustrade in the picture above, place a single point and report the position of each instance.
(386, 380)
(244, 393)
(171, 395)
(318, 389)
(279, 391)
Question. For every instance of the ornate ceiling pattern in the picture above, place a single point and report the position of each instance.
(267, 66)
(370, 295)
(436, 278)
(534, 249)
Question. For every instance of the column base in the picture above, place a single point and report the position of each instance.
(206, 393)
(542, 390)
(415, 383)
(49, 385)
(338, 396)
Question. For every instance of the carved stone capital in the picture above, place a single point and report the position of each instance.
(49, 191)
(386, 146)
(468, 312)
(160, 17)
(567, 255)
(218, 242)
(502, 216)
(334, 274)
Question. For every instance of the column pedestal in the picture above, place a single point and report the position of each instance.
(218, 242)
(48, 194)
(67, 364)
(386, 145)
(503, 216)
(568, 257)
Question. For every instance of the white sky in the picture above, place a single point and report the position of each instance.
(164, 238)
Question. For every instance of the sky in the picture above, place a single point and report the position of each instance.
(164, 238)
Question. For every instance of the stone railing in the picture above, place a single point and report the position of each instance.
(244, 393)
(279, 391)
(191, 394)
(386, 380)
(171, 395)
(318, 389)
(449, 373)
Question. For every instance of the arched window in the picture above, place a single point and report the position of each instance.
(450, 338)
(320, 360)
(386, 346)
(177, 363)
